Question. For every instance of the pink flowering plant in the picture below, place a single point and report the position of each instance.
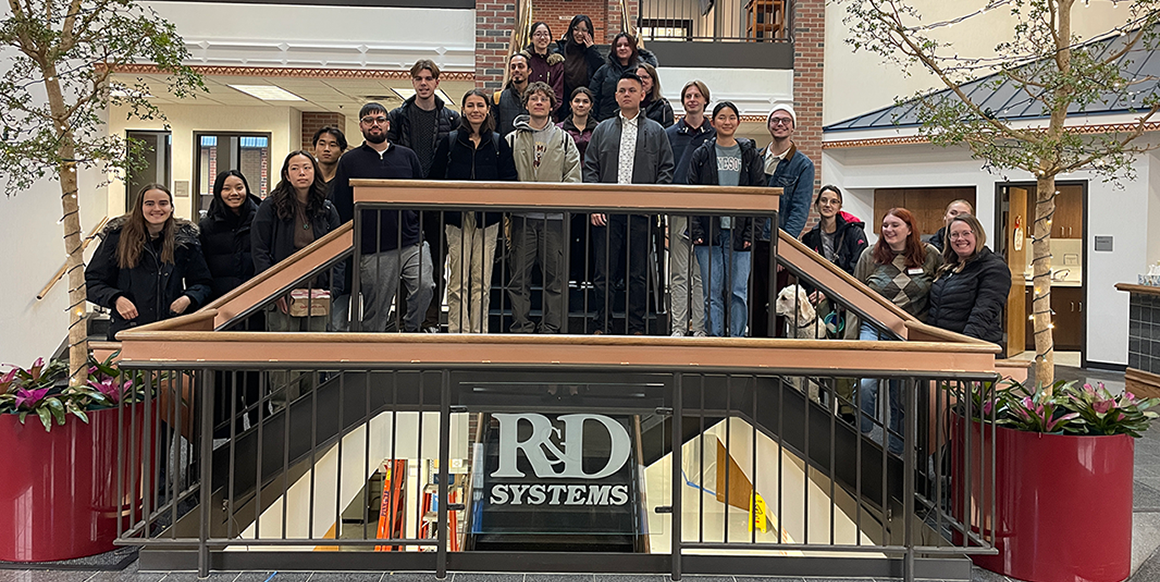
(1067, 408)
(42, 389)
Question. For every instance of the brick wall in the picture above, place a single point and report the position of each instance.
(809, 30)
(493, 24)
(558, 13)
(312, 121)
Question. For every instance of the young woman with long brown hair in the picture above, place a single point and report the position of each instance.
(901, 268)
(149, 265)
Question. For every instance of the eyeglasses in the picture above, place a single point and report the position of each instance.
(381, 120)
(961, 235)
(542, 34)
(781, 121)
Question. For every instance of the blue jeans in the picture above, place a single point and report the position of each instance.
(868, 392)
(718, 265)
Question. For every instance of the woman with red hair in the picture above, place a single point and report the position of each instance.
(901, 268)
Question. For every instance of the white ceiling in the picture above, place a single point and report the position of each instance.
(335, 95)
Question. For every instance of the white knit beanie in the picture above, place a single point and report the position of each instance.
(786, 107)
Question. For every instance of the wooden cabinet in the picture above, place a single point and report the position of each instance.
(1067, 302)
(927, 204)
(1068, 221)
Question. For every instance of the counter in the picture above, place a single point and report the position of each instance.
(1142, 377)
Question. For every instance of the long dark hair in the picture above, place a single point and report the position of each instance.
(915, 252)
(135, 232)
(219, 184)
(576, 20)
(488, 124)
(285, 202)
(633, 59)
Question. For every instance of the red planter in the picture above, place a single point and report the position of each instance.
(1063, 504)
(58, 490)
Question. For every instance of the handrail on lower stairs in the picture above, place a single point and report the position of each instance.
(60, 272)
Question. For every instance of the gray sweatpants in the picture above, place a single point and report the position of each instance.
(381, 274)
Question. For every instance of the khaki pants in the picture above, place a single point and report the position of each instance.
(471, 252)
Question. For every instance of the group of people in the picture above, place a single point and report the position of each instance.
(614, 128)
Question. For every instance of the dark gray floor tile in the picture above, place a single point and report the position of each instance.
(128, 575)
(561, 578)
(482, 577)
(410, 577)
(192, 577)
(45, 575)
(763, 579)
(980, 575)
(1145, 498)
(632, 578)
(345, 577)
(707, 578)
(277, 577)
(1145, 537)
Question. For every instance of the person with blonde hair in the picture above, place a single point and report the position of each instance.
(971, 288)
(955, 208)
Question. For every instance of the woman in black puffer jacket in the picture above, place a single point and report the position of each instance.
(970, 289)
(225, 232)
(149, 265)
(624, 57)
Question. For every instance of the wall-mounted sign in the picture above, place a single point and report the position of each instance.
(556, 477)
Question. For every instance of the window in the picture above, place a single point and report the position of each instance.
(216, 152)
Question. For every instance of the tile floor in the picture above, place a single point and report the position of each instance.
(1145, 539)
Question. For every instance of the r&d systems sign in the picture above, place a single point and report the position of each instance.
(556, 465)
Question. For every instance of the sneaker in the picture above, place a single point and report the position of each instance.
(678, 333)
(700, 333)
(432, 329)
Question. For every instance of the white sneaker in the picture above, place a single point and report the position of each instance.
(678, 333)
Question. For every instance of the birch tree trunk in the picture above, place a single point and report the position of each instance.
(78, 345)
(1041, 281)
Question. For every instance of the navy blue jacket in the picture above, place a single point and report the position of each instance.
(685, 140)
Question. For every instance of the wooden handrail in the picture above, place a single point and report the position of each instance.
(172, 347)
(60, 272)
(273, 280)
(636, 198)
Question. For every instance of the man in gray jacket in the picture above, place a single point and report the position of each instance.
(543, 153)
(626, 149)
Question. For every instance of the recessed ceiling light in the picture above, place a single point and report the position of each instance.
(267, 92)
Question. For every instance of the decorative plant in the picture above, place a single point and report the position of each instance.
(1065, 408)
(43, 389)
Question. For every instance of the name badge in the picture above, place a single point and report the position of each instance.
(914, 271)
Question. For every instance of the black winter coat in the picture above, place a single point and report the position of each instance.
(400, 131)
(971, 301)
(594, 60)
(458, 159)
(273, 239)
(605, 80)
(152, 285)
(703, 171)
(660, 111)
(937, 239)
(225, 242)
(849, 241)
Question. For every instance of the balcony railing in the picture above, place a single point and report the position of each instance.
(259, 448)
(716, 20)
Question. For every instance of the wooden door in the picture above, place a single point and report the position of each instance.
(1015, 225)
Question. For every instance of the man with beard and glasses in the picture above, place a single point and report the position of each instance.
(391, 246)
